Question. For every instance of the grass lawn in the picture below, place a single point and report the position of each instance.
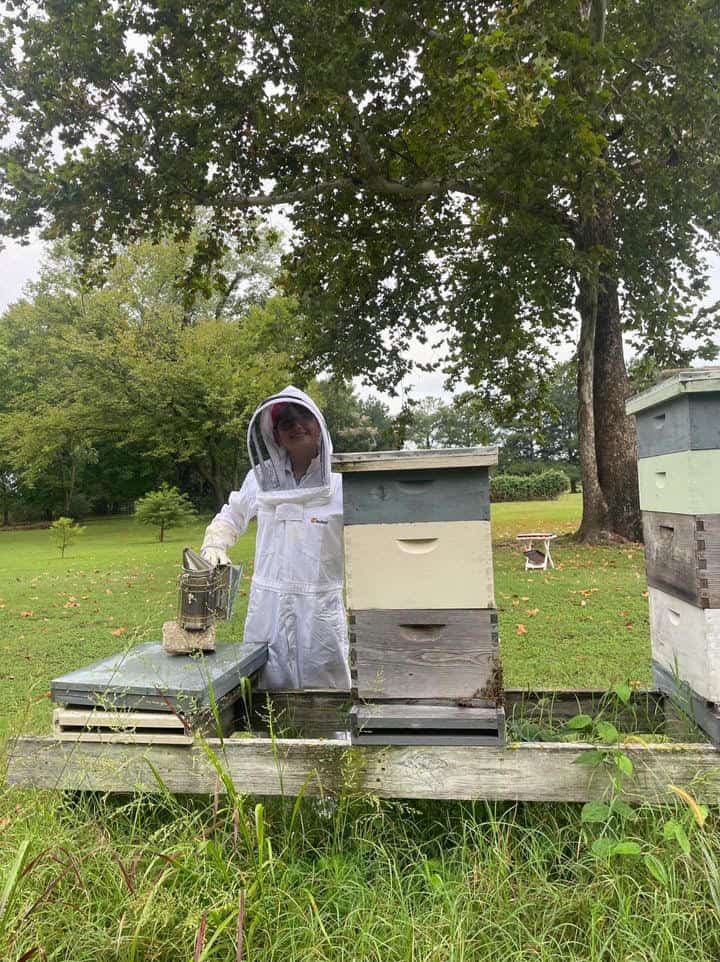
(583, 624)
(170, 879)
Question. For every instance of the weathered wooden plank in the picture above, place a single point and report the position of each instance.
(425, 565)
(404, 715)
(304, 713)
(425, 653)
(381, 723)
(682, 483)
(399, 497)
(318, 714)
(685, 641)
(645, 711)
(524, 772)
(415, 460)
(687, 423)
(159, 728)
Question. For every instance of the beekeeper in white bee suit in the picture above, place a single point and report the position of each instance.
(295, 603)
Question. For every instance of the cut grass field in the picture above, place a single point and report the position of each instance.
(166, 879)
(585, 624)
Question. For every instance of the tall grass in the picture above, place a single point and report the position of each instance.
(164, 879)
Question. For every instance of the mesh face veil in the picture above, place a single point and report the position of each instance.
(293, 416)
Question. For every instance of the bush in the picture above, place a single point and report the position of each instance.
(63, 532)
(165, 508)
(530, 487)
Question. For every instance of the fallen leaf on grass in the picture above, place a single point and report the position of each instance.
(532, 611)
(71, 604)
(520, 630)
(26, 614)
(524, 598)
(117, 631)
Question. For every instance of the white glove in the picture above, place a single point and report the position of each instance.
(219, 538)
(215, 555)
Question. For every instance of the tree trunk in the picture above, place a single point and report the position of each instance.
(607, 441)
(595, 511)
(616, 442)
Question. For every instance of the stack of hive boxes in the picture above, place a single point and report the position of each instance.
(423, 626)
(678, 428)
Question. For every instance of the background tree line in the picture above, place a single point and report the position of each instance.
(109, 388)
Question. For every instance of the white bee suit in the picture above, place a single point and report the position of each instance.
(295, 603)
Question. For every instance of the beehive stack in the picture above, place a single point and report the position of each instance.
(678, 428)
(423, 626)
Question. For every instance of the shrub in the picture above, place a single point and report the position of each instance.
(63, 532)
(529, 487)
(165, 508)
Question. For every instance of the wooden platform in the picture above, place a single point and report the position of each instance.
(528, 771)
(380, 723)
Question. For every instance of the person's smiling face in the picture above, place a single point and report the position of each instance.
(298, 431)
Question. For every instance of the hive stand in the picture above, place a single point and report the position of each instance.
(678, 429)
(424, 656)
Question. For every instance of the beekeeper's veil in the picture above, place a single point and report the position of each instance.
(270, 460)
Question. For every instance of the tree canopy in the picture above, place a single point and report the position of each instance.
(476, 169)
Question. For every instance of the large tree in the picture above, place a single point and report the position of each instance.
(487, 168)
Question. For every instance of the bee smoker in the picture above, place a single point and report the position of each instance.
(207, 592)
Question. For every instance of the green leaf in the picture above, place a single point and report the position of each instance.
(621, 808)
(579, 723)
(606, 732)
(672, 829)
(623, 763)
(625, 847)
(623, 692)
(602, 847)
(595, 812)
(682, 839)
(656, 868)
(592, 757)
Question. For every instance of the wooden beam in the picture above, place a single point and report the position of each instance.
(531, 771)
(319, 713)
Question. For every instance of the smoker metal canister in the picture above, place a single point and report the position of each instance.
(207, 593)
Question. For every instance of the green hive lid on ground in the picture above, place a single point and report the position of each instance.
(146, 677)
(479, 457)
(694, 380)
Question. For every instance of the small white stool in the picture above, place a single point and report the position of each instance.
(537, 560)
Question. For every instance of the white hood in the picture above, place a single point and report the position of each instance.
(270, 460)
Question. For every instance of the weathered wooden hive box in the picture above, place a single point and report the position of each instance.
(424, 654)
(678, 429)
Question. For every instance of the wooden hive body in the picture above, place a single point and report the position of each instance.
(423, 624)
(678, 427)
